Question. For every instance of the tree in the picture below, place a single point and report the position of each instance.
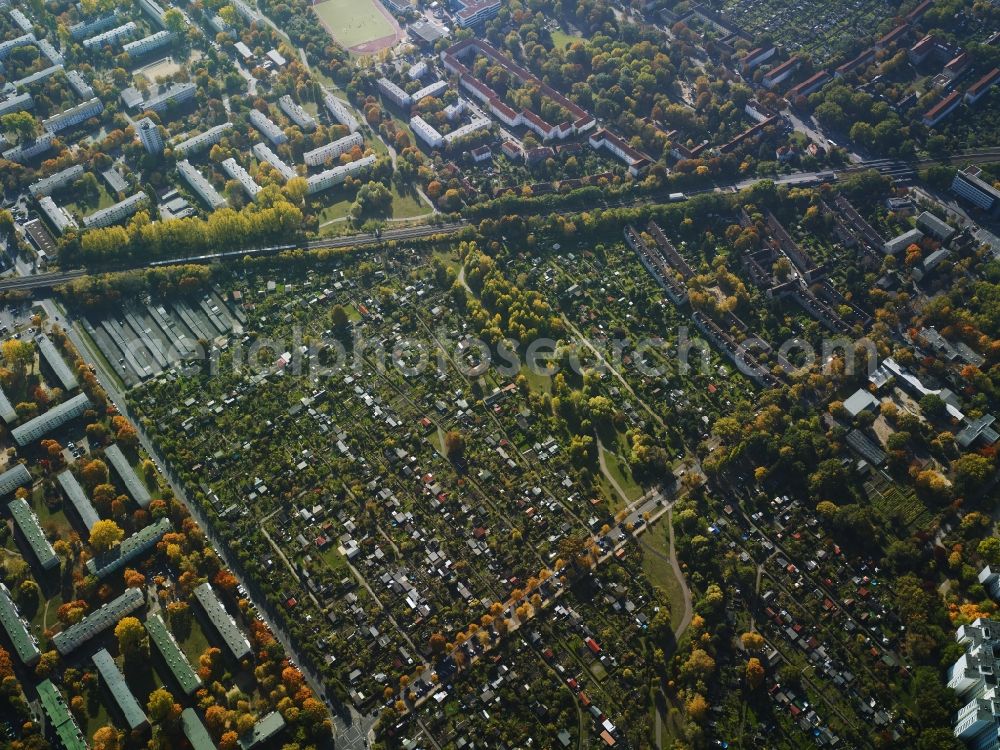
(697, 707)
(107, 738)
(105, 535)
(972, 471)
(95, 472)
(173, 19)
(454, 445)
(755, 673)
(989, 550)
(752, 641)
(161, 706)
(22, 124)
(932, 406)
(19, 355)
(130, 634)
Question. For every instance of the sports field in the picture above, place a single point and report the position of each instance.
(361, 26)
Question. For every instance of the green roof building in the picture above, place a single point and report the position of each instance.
(74, 493)
(57, 416)
(233, 637)
(195, 731)
(135, 486)
(136, 545)
(180, 667)
(262, 731)
(27, 522)
(17, 629)
(16, 476)
(59, 717)
(135, 717)
(98, 621)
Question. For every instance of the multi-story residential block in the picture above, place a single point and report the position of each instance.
(58, 216)
(431, 89)
(85, 29)
(296, 114)
(16, 103)
(112, 37)
(173, 95)
(202, 187)
(394, 93)
(472, 12)
(24, 152)
(202, 141)
(335, 176)
(263, 153)
(60, 179)
(148, 43)
(22, 21)
(223, 622)
(968, 184)
(267, 127)
(973, 678)
(107, 616)
(339, 112)
(636, 160)
(982, 87)
(238, 173)
(19, 41)
(54, 55)
(321, 155)
(426, 132)
(37, 77)
(154, 11)
(116, 213)
(74, 115)
(782, 72)
(79, 84)
(149, 135)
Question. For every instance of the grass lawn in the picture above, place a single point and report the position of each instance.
(660, 573)
(353, 22)
(561, 40)
(337, 210)
(619, 470)
(104, 199)
(407, 206)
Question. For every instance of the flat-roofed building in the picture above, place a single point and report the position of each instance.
(130, 549)
(903, 241)
(58, 216)
(11, 44)
(54, 55)
(56, 417)
(7, 411)
(195, 731)
(267, 127)
(111, 37)
(426, 132)
(22, 21)
(432, 89)
(67, 380)
(265, 154)
(394, 93)
(236, 172)
(74, 115)
(62, 178)
(245, 52)
(149, 135)
(16, 476)
(336, 175)
(86, 28)
(16, 103)
(114, 681)
(201, 186)
(296, 114)
(174, 94)
(477, 124)
(932, 225)
(27, 522)
(59, 717)
(166, 644)
(148, 43)
(37, 77)
(473, 12)
(202, 141)
(321, 155)
(116, 213)
(24, 152)
(263, 731)
(968, 184)
(154, 11)
(277, 58)
(78, 498)
(107, 616)
(25, 645)
(222, 621)
(340, 112)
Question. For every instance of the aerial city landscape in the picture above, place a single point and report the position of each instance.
(499, 374)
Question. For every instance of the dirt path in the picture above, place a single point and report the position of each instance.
(603, 462)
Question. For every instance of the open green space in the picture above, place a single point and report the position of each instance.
(353, 22)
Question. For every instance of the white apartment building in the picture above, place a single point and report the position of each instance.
(148, 43)
(58, 217)
(340, 112)
(149, 135)
(62, 178)
(74, 115)
(263, 153)
(336, 175)
(321, 155)
(202, 141)
(296, 114)
(202, 187)
(267, 127)
(111, 36)
(236, 172)
(116, 213)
